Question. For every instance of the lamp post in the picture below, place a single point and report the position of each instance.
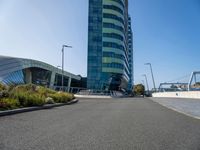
(152, 75)
(146, 82)
(57, 75)
(143, 82)
(63, 47)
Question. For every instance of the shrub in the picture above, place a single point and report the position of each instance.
(61, 97)
(44, 91)
(11, 87)
(27, 95)
(8, 103)
(27, 99)
(34, 89)
(49, 100)
(4, 94)
(31, 95)
(3, 91)
(2, 87)
(25, 88)
(139, 89)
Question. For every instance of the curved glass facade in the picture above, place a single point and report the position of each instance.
(21, 71)
(108, 57)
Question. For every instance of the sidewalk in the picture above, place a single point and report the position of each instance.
(189, 107)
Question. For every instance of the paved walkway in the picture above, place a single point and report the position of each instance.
(98, 124)
(190, 107)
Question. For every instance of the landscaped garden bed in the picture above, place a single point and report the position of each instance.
(29, 95)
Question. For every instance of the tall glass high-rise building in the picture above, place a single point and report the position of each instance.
(110, 47)
(130, 55)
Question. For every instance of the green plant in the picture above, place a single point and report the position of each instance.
(49, 100)
(44, 91)
(9, 103)
(27, 95)
(4, 94)
(28, 99)
(25, 88)
(31, 95)
(3, 91)
(2, 87)
(11, 87)
(139, 89)
(61, 97)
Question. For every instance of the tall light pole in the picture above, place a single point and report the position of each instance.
(146, 82)
(152, 75)
(63, 47)
(143, 82)
(57, 75)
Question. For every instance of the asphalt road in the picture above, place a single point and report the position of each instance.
(118, 124)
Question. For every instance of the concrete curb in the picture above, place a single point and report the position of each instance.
(28, 109)
(92, 96)
(97, 96)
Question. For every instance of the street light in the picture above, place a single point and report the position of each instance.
(152, 75)
(57, 75)
(146, 82)
(143, 82)
(63, 47)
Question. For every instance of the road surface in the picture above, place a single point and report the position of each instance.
(112, 124)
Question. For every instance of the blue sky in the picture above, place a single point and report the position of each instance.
(166, 33)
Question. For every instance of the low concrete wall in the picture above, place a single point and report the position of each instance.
(91, 96)
(183, 94)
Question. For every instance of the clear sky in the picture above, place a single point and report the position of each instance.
(166, 33)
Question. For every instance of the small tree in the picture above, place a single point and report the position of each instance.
(139, 89)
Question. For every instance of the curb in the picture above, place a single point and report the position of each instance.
(29, 109)
(92, 96)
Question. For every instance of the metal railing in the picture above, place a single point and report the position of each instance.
(100, 93)
(192, 85)
(67, 89)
